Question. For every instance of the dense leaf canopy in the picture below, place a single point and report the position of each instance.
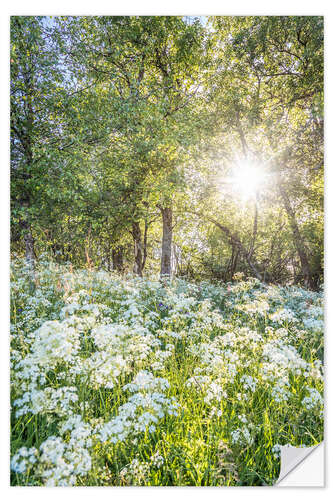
(194, 142)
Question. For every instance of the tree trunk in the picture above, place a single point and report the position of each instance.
(235, 253)
(298, 239)
(138, 248)
(166, 241)
(145, 234)
(117, 259)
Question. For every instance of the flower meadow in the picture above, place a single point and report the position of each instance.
(133, 381)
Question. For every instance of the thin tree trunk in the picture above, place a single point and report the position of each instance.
(138, 248)
(166, 241)
(145, 234)
(298, 239)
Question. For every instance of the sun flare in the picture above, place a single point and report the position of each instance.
(247, 179)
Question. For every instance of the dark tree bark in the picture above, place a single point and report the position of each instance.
(298, 239)
(234, 260)
(138, 248)
(117, 259)
(166, 241)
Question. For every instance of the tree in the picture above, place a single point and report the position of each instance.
(128, 133)
(38, 101)
(278, 101)
(147, 72)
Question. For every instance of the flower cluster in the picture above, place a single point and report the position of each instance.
(142, 410)
(242, 436)
(313, 400)
(58, 462)
(118, 380)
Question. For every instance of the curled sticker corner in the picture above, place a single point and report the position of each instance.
(291, 457)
